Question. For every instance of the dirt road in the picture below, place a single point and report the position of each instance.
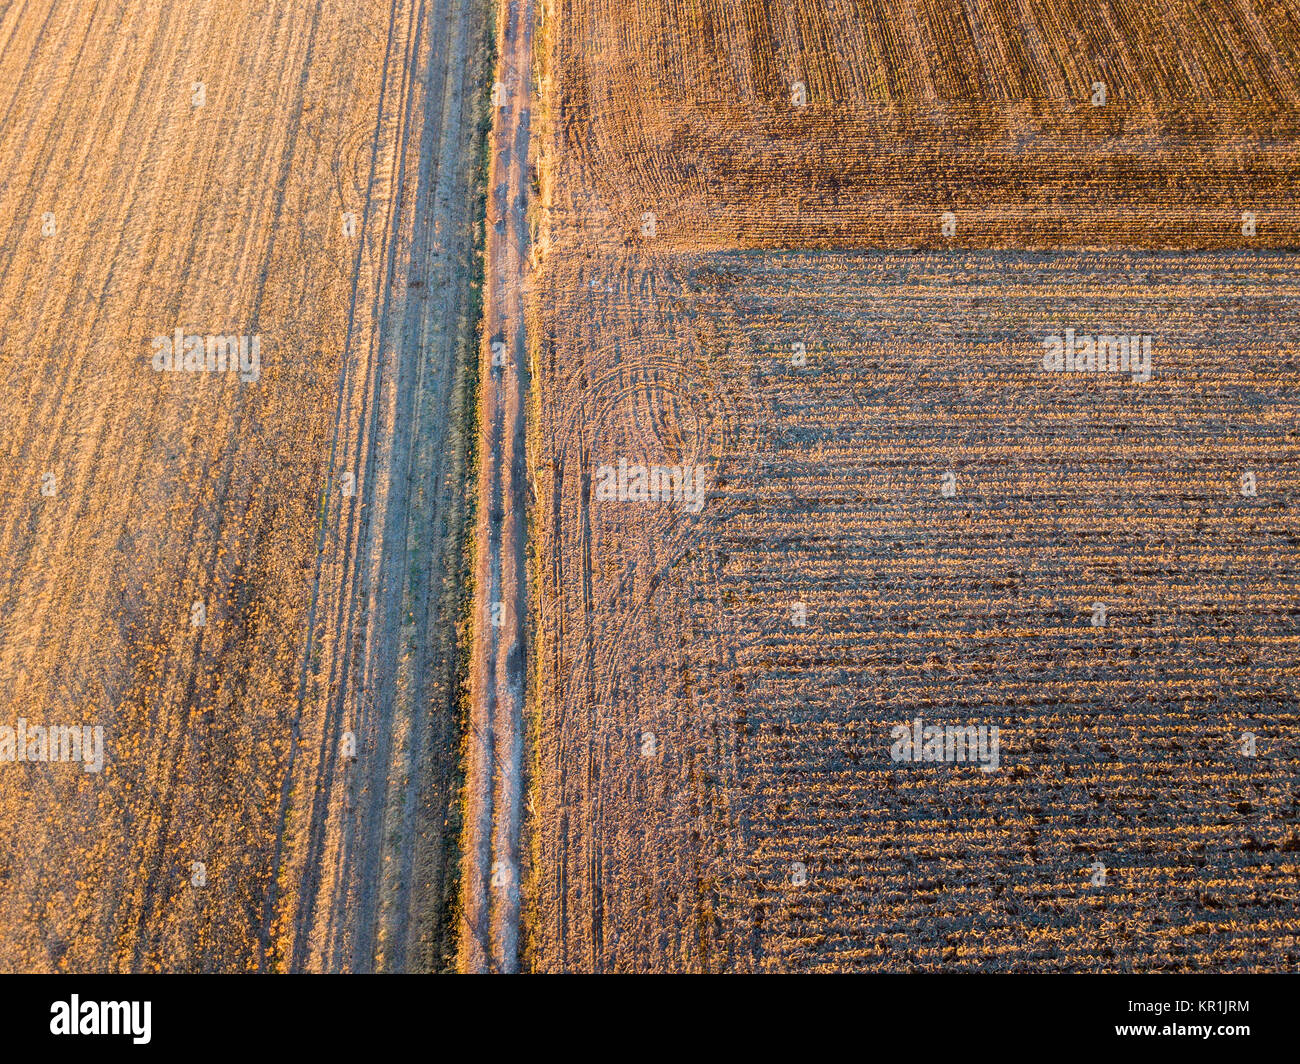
(491, 888)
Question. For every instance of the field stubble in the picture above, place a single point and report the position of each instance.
(197, 161)
(714, 787)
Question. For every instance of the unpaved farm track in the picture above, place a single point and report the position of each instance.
(317, 513)
(494, 783)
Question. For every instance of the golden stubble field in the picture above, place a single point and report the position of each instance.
(858, 123)
(798, 481)
(250, 582)
(908, 516)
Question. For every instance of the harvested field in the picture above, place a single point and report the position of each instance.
(797, 485)
(250, 581)
(985, 110)
(771, 738)
(908, 513)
